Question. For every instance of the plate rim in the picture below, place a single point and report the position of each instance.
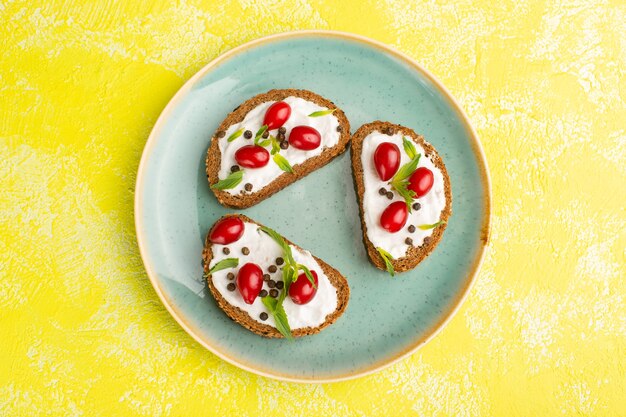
(461, 295)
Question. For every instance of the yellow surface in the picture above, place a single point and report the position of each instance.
(542, 333)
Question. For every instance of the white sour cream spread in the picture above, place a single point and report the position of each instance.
(259, 177)
(263, 252)
(432, 204)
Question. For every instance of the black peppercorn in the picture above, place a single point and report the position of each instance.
(282, 130)
(279, 261)
(280, 285)
(390, 195)
(231, 287)
(411, 229)
(248, 187)
(265, 134)
(263, 293)
(247, 134)
(408, 241)
(271, 283)
(274, 293)
(272, 268)
(220, 134)
(263, 316)
(245, 250)
(382, 191)
(234, 168)
(266, 277)
(230, 276)
(416, 206)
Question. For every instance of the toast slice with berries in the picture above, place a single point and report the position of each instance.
(268, 284)
(404, 195)
(270, 141)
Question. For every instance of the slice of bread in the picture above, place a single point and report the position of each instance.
(242, 317)
(414, 254)
(244, 199)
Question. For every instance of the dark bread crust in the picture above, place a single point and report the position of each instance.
(214, 155)
(415, 254)
(240, 316)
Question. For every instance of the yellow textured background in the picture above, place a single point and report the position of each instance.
(542, 333)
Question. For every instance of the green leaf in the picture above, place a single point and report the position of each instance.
(289, 270)
(282, 323)
(288, 278)
(224, 264)
(275, 306)
(265, 142)
(308, 274)
(229, 182)
(275, 145)
(281, 242)
(430, 226)
(282, 163)
(408, 195)
(407, 169)
(259, 133)
(387, 258)
(409, 148)
(280, 317)
(270, 303)
(236, 134)
(400, 181)
(322, 113)
(288, 275)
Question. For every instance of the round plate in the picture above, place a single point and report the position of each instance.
(386, 318)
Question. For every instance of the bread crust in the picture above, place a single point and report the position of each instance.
(214, 155)
(415, 254)
(242, 317)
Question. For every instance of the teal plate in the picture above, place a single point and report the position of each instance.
(386, 318)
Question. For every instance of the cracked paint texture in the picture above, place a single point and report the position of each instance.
(543, 331)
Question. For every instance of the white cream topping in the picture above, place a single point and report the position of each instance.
(260, 177)
(432, 204)
(263, 252)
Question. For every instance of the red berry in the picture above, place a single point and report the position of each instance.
(386, 160)
(276, 115)
(227, 230)
(301, 290)
(394, 217)
(250, 282)
(252, 156)
(421, 181)
(305, 137)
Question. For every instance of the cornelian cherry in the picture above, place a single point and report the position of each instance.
(276, 115)
(301, 290)
(227, 230)
(250, 282)
(386, 160)
(305, 137)
(421, 181)
(394, 217)
(252, 156)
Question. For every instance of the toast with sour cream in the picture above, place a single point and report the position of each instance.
(270, 141)
(403, 192)
(268, 284)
